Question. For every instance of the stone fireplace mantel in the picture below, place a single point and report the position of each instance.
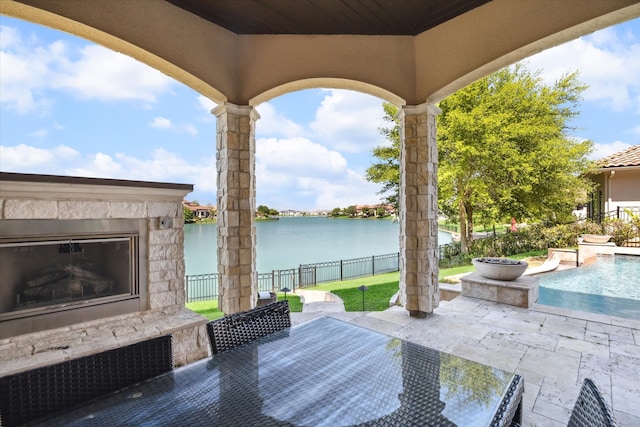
(157, 207)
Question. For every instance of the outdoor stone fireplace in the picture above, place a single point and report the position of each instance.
(53, 272)
(88, 265)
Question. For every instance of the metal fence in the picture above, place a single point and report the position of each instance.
(622, 224)
(204, 287)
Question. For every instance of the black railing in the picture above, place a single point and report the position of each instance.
(204, 287)
(449, 227)
(628, 213)
(622, 224)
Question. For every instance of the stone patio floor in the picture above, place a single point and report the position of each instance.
(553, 349)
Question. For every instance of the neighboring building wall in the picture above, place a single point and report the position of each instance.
(615, 188)
(623, 190)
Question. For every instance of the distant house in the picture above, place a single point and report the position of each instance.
(200, 212)
(617, 180)
(363, 210)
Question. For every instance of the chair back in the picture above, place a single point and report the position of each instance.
(240, 328)
(591, 409)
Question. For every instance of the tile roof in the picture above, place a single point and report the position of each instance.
(628, 157)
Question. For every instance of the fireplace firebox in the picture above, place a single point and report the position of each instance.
(54, 272)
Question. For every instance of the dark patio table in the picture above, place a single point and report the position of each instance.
(323, 372)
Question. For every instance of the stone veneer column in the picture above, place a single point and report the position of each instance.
(419, 209)
(236, 182)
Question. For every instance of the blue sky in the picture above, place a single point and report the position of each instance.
(71, 107)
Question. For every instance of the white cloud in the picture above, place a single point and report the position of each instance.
(161, 123)
(164, 123)
(21, 158)
(298, 173)
(607, 60)
(299, 157)
(273, 123)
(206, 104)
(29, 69)
(99, 165)
(107, 75)
(601, 151)
(348, 121)
(161, 166)
(352, 189)
(9, 37)
(23, 73)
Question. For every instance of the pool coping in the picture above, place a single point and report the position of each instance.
(586, 315)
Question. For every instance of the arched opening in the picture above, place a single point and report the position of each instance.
(199, 167)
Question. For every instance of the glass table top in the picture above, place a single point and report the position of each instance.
(322, 372)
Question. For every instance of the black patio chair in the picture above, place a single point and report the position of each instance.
(240, 328)
(591, 409)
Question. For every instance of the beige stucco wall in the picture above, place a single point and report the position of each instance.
(227, 67)
(621, 188)
(624, 187)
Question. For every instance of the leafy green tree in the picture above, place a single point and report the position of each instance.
(504, 151)
(188, 215)
(273, 212)
(387, 170)
(335, 212)
(380, 212)
(351, 211)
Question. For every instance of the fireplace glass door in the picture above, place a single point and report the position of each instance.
(55, 274)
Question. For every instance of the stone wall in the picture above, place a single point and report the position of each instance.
(419, 210)
(236, 182)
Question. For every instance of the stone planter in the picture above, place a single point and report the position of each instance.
(595, 238)
(499, 268)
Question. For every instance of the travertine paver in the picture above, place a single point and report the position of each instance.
(552, 348)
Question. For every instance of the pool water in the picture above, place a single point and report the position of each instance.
(610, 286)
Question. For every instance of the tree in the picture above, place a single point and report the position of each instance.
(387, 170)
(335, 212)
(504, 151)
(263, 210)
(351, 211)
(188, 215)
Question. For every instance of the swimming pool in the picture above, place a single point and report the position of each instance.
(610, 286)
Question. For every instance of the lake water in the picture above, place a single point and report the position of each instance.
(292, 241)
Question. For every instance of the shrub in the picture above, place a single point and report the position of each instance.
(532, 238)
(620, 230)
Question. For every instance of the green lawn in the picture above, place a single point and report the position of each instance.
(209, 308)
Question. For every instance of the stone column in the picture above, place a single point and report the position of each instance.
(419, 209)
(236, 183)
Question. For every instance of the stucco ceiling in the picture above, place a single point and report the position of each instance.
(364, 17)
